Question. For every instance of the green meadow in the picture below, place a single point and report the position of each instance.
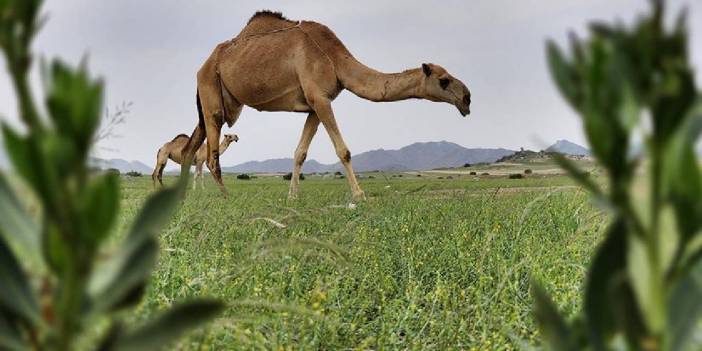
(425, 263)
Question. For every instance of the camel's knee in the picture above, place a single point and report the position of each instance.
(344, 154)
(300, 157)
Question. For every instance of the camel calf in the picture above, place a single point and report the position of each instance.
(174, 150)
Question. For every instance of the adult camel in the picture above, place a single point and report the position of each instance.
(275, 64)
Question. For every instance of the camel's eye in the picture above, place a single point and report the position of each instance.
(444, 83)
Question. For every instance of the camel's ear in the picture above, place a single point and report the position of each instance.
(426, 69)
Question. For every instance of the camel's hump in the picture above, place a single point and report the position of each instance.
(269, 14)
(180, 136)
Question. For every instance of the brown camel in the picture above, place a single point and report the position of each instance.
(275, 64)
(173, 150)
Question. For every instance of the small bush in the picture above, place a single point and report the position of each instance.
(466, 165)
(337, 173)
(243, 176)
(527, 171)
(112, 171)
(449, 177)
(440, 178)
(485, 174)
(133, 174)
(289, 176)
(472, 173)
(371, 177)
(516, 176)
(419, 175)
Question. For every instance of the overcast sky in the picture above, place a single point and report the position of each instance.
(149, 52)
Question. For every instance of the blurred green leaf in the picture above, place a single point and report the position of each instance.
(54, 249)
(19, 228)
(556, 332)
(23, 155)
(669, 238)
(685, 308)
(164, 329)
(646, 282)
(608, 267)
(115, 282)
(100, 206)
(16, 294)
(116, 278)
(563, 75)
(155, 215)
(10, 336)
(74, 102)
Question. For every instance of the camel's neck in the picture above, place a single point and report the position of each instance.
(223, 147)
(377, 86)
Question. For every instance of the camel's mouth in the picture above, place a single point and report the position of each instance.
(463, 109)
(464, 105)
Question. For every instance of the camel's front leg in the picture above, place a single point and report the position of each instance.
(308, 133)
(198, 174)
(322, 107)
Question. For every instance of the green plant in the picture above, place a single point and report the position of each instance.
(243, 176)
(56, 276)
(515, 176)
(644, 286)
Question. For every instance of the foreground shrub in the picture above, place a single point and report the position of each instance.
(57, 280)
(527, 171)
(515, 176)
(644, 286)
(244, 176)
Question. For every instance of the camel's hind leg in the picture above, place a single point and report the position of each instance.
(161, 160)
(308, 133)
(195, 141)
(213, 114)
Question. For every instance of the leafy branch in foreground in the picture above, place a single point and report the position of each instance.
(53, 285)
(644, 285)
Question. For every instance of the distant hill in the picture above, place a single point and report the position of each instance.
(568, 148)
(122, 165)
(417, 156)
(276, 165)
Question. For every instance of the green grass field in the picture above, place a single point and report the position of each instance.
(424, 263)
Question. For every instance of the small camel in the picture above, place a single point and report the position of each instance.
(173, 150)
(275, 64)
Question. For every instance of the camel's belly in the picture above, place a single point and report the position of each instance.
(293, 101)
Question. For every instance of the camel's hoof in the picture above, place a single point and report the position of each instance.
(293, 196)
(359, 196)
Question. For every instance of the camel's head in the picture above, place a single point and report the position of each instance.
(438, 85)
(229, 138)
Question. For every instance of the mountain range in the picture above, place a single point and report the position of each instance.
(417, 156)
(122, 165)
(568, 148)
